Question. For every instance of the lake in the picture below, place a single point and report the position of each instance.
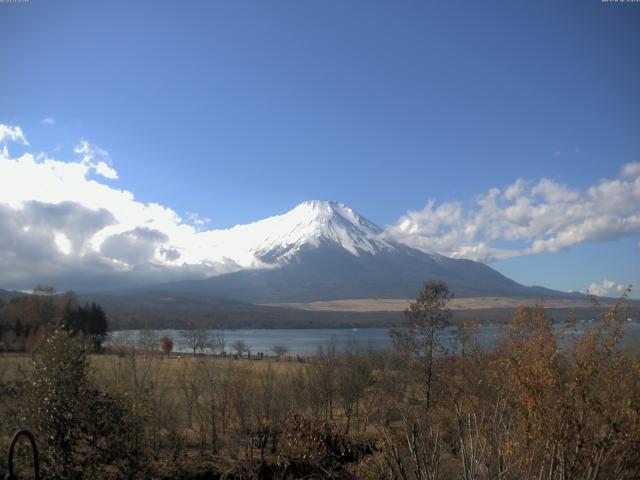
(300, 341)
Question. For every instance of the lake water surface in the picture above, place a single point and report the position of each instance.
(300, 341)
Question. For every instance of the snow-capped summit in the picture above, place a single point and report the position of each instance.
(315, 222)
(276, 240)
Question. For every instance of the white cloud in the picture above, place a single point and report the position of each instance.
(197, 220)
(12, 134)
(631, 170)
(525, 218)
(58, 223)
(48, 121)
(554, 192)
(106, 171)
(96, 158)
(63, 243)
(607, 288)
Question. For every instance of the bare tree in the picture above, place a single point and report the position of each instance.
(213, 402)
(240, 347)
(147, 382)
(324, 370)
(122, 342)
(467, 335)
(218, 343)
(280, 349)
(148, 341)
(272, 409)
(418, 338)
(244, 410)
(195, 387)
(413, 452)
(353, 378)
(196, 339)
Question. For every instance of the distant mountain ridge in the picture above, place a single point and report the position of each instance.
(6, 295)
(325, 251)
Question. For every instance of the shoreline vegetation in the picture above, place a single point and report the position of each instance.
(542, 404)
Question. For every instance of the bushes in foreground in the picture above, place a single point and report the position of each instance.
(545, 403)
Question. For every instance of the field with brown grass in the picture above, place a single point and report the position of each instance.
(541, 401)
(471, 303)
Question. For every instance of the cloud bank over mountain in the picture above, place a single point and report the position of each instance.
(59, 220)
(65, 221)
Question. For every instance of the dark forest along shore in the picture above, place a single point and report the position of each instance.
(301, 341)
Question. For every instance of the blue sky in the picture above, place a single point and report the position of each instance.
(241, 110)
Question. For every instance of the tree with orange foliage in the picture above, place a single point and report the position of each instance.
(166, 345)
(575, 396)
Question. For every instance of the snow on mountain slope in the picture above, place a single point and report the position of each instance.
(326, 251)
(276, 240)
(314, 221)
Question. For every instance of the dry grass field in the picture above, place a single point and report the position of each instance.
(355, 414)
(472, 303)
(107, 367)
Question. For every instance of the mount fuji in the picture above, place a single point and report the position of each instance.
(326, 251)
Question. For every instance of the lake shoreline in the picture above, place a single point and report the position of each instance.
(306, 341)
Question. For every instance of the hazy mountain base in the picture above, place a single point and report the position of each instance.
(329, 272)
(175, 311)
(171, 310)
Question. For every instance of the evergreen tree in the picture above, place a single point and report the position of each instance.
(97, 326)
(61, 388)
(82, 428)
